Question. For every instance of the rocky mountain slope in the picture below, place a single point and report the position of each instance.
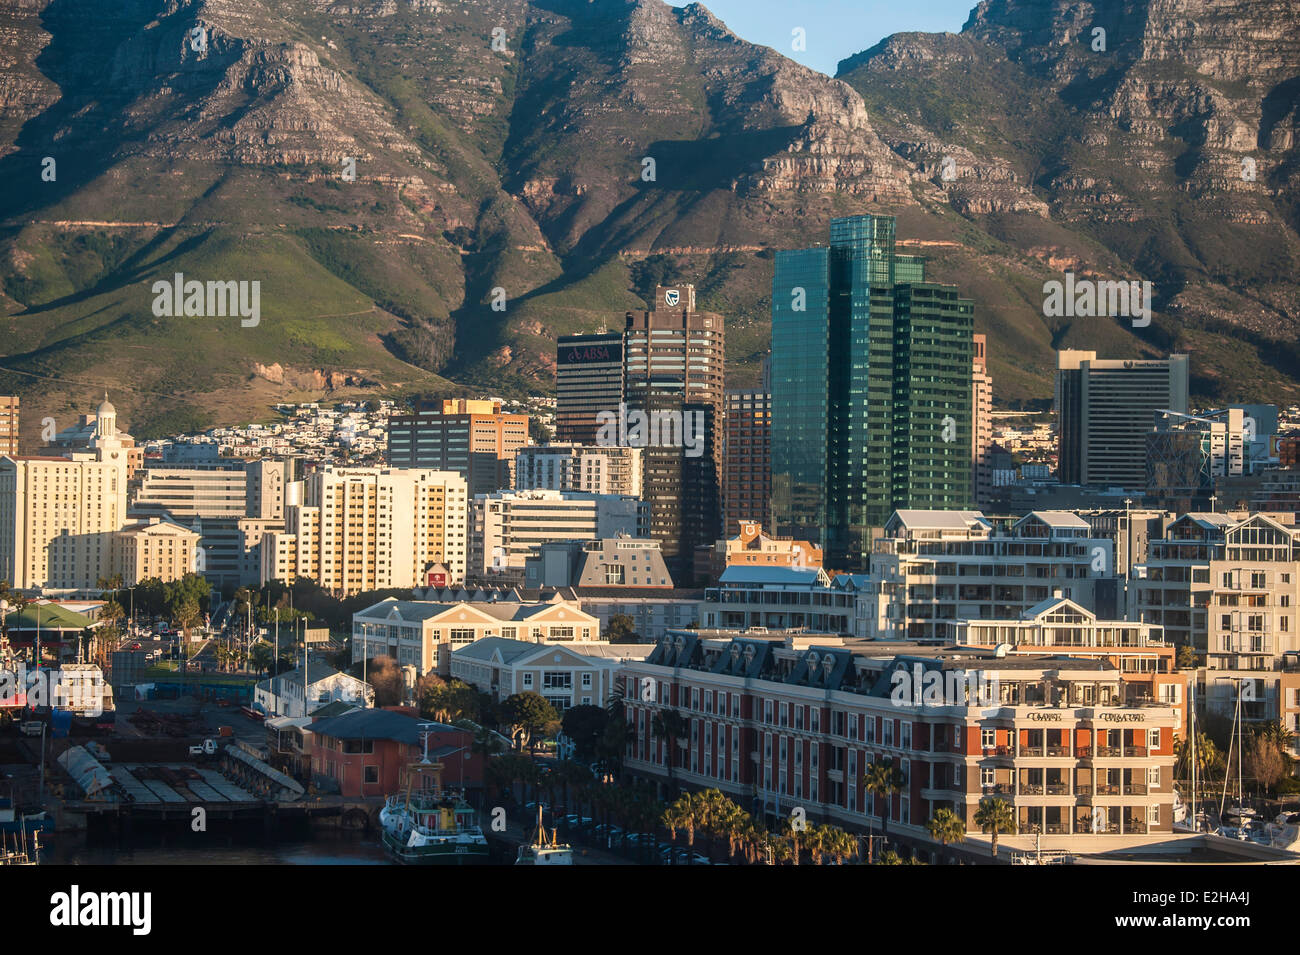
(432, 190)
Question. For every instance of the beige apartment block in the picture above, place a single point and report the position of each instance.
(154, 549)
(356, 529)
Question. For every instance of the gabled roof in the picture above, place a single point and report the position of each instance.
(375, 724)
(797, 576)
(914, 519)
(1059, 520)
(1044, 607)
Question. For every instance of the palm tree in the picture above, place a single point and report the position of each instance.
(670, 726)
(996, 815)
(946, 826)
(791, 829)
(883, 780)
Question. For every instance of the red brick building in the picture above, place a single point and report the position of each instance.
(366, 752)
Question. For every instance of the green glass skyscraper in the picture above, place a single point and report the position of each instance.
(871, 389)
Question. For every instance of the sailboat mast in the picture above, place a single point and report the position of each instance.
(1191, 722)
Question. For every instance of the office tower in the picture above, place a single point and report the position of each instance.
(588, 380)
(1105, 410)
(8, 424)
(871, 389)
(508, 527)
(747, 458)
(572, 467)
(472, 438)
(356, 529)
(981, 424)
(673, 371)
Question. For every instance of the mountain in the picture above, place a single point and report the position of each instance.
(529, 169)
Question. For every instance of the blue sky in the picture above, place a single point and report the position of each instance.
(834, 29)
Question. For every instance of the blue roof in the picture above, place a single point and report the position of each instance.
(741, 574)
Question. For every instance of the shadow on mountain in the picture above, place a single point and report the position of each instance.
(101, 59)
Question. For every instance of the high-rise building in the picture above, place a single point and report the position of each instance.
(9, 424)
(1105, 410)
(588, 381)
(747, 458)
(352, 530)
(673, 365)
(573, 467)
(58, 515)
(473, 438)
(871, 389)
(981, 424)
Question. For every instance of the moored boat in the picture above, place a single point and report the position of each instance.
(543, 850)
(428, 825)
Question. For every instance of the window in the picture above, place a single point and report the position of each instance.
(586, 681)
(767, 711)
(1153, 739)
(988, 738)
(815, 719)
(888, 728)
(905, 735)
(462, 637)
(557, 680)
(1153, 777)
(528, 681)
(371, 774)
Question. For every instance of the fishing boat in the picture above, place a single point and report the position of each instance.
(11, 820)
(16, 853)
(543, 850)
(429, 825)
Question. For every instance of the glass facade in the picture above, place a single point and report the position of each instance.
(871, 389)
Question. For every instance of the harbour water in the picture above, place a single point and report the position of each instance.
(326, 849)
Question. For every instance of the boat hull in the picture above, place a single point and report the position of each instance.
(444, 854)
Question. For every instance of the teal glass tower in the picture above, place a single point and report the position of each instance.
(871, 389)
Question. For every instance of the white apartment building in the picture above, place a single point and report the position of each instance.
(567, 676)
(509, 525)
(576, 467)
(937, 566)
(425, 634)
(356, 529)
(58, 515)
(1172, 586)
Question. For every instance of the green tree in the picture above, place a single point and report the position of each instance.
(883, 780)
(621, 629)
(995, 815)
(585, 725)
(946, 826)
(1186, 657)
(528, 714)
(261, 657)
(670, 727)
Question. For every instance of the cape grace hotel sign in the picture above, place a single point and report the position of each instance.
(1104, 717)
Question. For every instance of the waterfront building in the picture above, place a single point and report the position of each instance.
(790, 720)
(424, 633)
(581, 674)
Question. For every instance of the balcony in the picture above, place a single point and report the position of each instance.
(1083, 752)
(1058, 789)
(1056, 829)
(1083, 789)
(1058, 751)
(999, 789)
(1135, 751)
(1105, 789)
(1134, 825)
(1031, 789)
(1107, 750)
(1135, 789)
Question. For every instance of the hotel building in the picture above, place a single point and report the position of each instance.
(791, 721)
